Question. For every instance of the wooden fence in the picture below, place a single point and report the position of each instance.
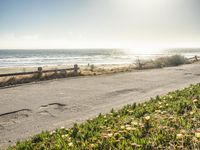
(195, 58)
(40, 71)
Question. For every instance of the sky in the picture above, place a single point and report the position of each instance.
(145, 24)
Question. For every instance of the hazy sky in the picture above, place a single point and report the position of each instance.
(99, 23)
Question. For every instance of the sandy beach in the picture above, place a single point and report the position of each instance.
(29, 109)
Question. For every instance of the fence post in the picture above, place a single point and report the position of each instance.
(75, 69)
(139, 64)
(196, 58)
(39, 72)
(64, 73)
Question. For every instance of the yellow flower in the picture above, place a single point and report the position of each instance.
(130, 111)
(70, 144)
(92, 145)
(157, 111)
(133, 144)
(65, 136)
(122, 127)
(183, 131)
(179, 136)
(110, 134)
(52, 132)
(191, 113)
(135, 123)
(197, 134)
(128, 128)
(195, 100)
(117, 140)
(120, 131)
(163, 112)
(116, 134)
(147, 117)
(128, 125)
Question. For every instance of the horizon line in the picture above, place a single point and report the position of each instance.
(93, 48)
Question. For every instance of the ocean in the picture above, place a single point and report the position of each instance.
(46, 57)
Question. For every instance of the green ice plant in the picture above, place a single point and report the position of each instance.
(164, 122)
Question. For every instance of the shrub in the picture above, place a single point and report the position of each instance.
(161, 62)
(91, 67)
(139, 63)
(175, 60)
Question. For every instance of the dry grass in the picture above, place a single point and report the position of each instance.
(167, 61)
(94, 70)
(84, 71)
(21, 79)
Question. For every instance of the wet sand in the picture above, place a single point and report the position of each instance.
(28, 109)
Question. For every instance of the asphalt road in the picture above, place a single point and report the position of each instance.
(28, 109)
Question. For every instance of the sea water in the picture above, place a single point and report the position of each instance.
(47, 57)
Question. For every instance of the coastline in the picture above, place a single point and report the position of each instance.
(98, 67)
(34, 108)
(31, 74)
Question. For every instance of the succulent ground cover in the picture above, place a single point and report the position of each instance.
(168, 122)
